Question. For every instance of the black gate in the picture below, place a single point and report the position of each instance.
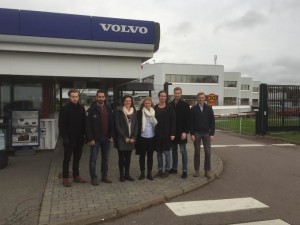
(279, 108)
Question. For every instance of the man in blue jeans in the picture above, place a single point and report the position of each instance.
(99, 133)
(182, 111)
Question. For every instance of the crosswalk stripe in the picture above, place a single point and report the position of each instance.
(266, 222)
(214, 206)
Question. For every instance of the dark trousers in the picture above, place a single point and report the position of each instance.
(147, 148)
(207, 150)
(124, 161)
(76, 151)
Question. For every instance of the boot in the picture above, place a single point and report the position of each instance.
(142, 176)
(122, 177)
(66, 182)
(196, 174)
(128, 177)
(149, 175)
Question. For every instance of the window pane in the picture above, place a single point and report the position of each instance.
(27, 97)
(5, 99)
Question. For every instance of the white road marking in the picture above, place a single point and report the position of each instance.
(266, 222)
(214, 206)
(251, 145)
(283, 145)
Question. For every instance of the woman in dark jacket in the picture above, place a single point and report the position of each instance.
(126, 133)
(146, 136)
(165, 131)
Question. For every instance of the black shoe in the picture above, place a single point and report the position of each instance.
(128, 177)
(142, 176)
(159, 174)
(184, 175)
(166, 173)
(149, 176)
(173, 171)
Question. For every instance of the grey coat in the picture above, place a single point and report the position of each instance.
(122, 131)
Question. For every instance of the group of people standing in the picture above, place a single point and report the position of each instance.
(161, 128)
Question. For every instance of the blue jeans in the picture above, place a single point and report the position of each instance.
(104, 144)
(160, 160)
(183, 152)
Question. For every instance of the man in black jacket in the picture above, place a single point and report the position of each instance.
(99, 132)
(182, 111)
(202, 128)
(71, 129)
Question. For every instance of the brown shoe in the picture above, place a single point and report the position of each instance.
(94, 182)
(106, 180)
(196, 174)
(208, 175)
(79, 179)
(66, 182)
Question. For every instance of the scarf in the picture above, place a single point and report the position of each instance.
(128, 114)
(151, 115)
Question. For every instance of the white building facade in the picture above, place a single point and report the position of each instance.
(230, 88)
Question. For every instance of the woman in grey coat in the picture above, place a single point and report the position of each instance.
(126, 133)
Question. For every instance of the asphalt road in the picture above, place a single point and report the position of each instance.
(253, 168)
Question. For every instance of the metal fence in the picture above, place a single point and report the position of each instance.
(239, 123)
(279, 108)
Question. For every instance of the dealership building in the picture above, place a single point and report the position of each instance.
(42, 53)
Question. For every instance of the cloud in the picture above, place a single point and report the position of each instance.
(250, 19)
(282, 70)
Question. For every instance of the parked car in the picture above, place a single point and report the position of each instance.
(293, 111)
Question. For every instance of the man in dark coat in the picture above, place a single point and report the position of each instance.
(182, 111)
(71, 129)
(202, 128)
(99, 133)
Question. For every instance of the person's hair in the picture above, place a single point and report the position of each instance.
(200, 93)
(144, 100)
(128, 96)
(178, 89)
(73, 91)
(100, 91)
(162, 92)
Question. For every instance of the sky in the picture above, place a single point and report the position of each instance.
(258, 38)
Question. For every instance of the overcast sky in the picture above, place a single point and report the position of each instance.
(259, 38)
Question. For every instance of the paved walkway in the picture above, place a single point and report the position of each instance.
(84, 203)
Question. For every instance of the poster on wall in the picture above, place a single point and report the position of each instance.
(25, 128)
(2, 139)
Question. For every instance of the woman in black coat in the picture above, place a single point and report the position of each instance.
(126, 133)
(165, 131)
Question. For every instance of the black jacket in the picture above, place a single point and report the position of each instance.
(182, 111)
(166, 125)
(93, 123)
(71, 124)
(202, 121)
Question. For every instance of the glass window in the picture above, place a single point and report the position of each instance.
(230, 83)
(229, 101)
(245, 87)
(178, 78)
(5, 99)
(244, 101)
(255, 89)
(27, 97)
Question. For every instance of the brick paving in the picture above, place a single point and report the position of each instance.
(84, 203)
